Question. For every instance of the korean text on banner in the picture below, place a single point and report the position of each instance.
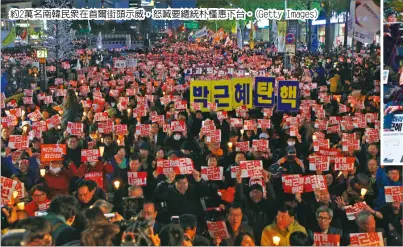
(201, 92)
(97, 177)
(288, 96)
(8, 186)
(218, 229)
(52, 152)
(222, 94)
(321, 239)
(242, 92)
(366, 239)
(264, 92)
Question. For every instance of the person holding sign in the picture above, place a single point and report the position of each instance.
(26, 169)
(234, 225)
(259, 210)
(58, 177)
(324, 216)
(40, 201)
(389, 176)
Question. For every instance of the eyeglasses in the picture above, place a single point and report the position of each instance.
(320, 218)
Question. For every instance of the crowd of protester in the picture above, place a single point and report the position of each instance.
(62, 207)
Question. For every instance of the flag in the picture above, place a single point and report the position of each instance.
(10, 38)
(89, 26)
(200, 33)
(239, 36)
(364, 25)
(234, 27)
(252, 36)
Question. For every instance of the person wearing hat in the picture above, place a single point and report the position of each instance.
(26, 169)
(25, 127)
(290, 162)
(187, 151)
(189, 224)
(259, 209)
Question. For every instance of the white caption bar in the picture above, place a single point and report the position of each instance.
(156, 14)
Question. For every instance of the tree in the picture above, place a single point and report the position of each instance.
(331, 7)
(59, 34)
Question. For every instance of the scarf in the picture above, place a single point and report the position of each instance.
(121, 162)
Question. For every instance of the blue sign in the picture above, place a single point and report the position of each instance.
(264, 91)
(288, 96)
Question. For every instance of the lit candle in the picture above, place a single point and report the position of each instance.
(230, 145)
(118, 141)
(242, 132)
(276, 240)
(21, 206)
(43, 172)
(22, 112)
(101, 151)
(129, 111)
(314, 137)
(59, 127)
(15, 194)
(363, 192)
(85, 114)
(102, 140)
(76, 93)
(116, 184)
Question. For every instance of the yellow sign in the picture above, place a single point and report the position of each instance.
(200, 92)
(222, 94)
(282, 28)
(43, 53)
(242, 92)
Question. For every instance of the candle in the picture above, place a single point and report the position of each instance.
(276, 240)
(242, 132)
(85, 114)
(102, 140)
(116, 184)
(76, 93)
(22, 112)
(129, 110)
(230, 145)
(118, 141)
(43, 172)
(314, 137)
(363, 192)
(59, 127)
(15, 194)
(101, 151)
(21, 206)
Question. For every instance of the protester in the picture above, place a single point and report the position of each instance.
(147, 147)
